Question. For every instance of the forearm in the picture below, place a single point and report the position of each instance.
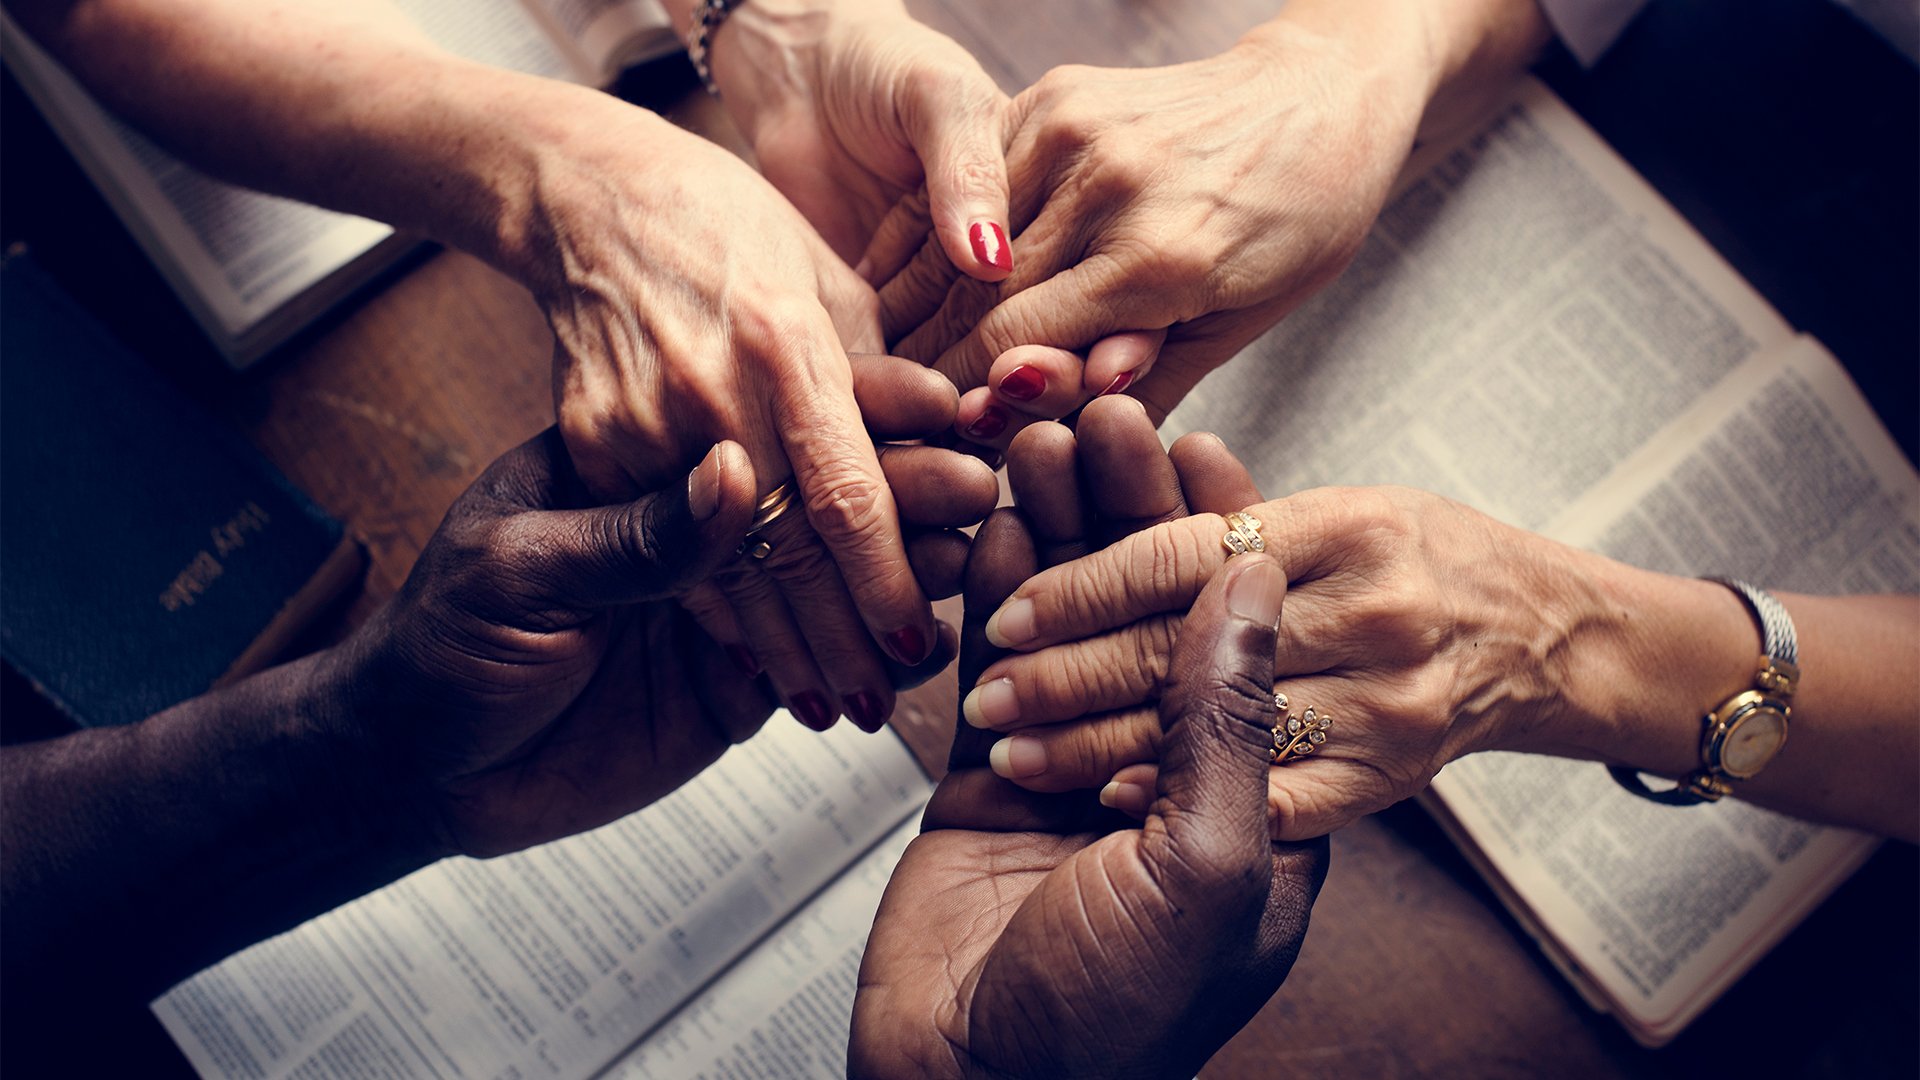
(1655, 653)
(345, 105)
(134, 856)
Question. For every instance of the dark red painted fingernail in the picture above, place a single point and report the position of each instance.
(1023, 383)
(908, 644)
(989, 424)
(990, 245)
(864, 709)
(1120, 382)
(812, 710)
(743, 659)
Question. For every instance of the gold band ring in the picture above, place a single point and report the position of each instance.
(1243, 535)
(1296, 736)
(774, 506)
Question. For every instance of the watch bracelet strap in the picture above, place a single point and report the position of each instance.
(1776, 626)
(707, 17)
(1778, 642)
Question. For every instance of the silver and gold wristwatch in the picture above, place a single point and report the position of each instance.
(1745, 732)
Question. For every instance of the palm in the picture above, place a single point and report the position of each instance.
(602, 715)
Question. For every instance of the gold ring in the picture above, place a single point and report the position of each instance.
(1295, 737)
(770, 509)
(1243, 535)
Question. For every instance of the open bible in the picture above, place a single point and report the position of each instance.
(255, 269)
(1531, 330)
(715, 933)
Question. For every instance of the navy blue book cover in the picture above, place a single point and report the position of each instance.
(146, 550)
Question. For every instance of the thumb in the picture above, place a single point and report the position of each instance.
(653, 547)
(961, 146)
(1218, 715)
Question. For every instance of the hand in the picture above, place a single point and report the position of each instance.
(692, 304)
(1027, 936)
(1426, 629)
(534, 678)
(853, 109)
(1166, 217)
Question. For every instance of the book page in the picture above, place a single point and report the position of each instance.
(1527, 312)
(786, 1009)
(236, 256)
(612, 35)
(1664, 907)
(552, 961)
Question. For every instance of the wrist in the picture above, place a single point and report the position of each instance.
(553, 154)
(1645, 656)
(767, 55)
(376, 793)
(1441, 59)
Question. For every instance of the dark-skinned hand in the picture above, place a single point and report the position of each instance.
(1027, 934)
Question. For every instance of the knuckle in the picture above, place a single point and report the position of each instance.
(1153, 644)
(846, 507)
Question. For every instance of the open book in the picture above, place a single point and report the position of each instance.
(255, 269)
(717, 932)
(1533, 331)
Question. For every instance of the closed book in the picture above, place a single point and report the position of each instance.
(148, 551)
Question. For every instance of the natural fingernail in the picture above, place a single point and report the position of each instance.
(1120, 382)
(989, 424)
(812, 710)
(1256, 590)
(1023, 383)
(1012, 626)
(864, 709)
(908, 645)
(744, 659)
(864, 270)
(703, 487)
(1018, 757)
(992, 705)
(990, 245)
(1126, 798)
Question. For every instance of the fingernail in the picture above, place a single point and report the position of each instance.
(1256, 590)
(989, 424)
(1012, 626)
(1127, 798)
(908, 645)
(703, 487)
(1023, 383)
(812, 710)
(864, 709)
(1018, 757)
(744, 659)
(990, 245)
(864, 269)
(1120, 382)
(992, 705)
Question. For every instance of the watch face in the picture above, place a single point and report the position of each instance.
(1753, 740)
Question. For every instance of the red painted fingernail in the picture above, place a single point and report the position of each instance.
(864, 709)
(1023, 384)
(908, 644)
(990, 245)
(744, 659)
(1120, 382)
(989, 425)
(812, 710)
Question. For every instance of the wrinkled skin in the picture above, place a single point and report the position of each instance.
(1030, 935)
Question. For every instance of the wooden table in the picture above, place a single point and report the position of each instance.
(1411, 969)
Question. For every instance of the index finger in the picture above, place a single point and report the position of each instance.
(837, 473)
(1159, 570)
